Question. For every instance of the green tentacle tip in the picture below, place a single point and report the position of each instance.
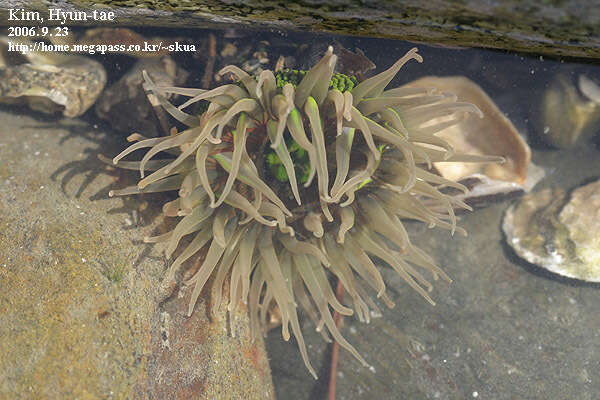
(365, 182)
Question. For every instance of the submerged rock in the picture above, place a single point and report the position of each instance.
(125, 106)
(79, 311)
(558, 233)
(51, 82)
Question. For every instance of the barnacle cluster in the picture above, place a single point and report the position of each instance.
(285, 182)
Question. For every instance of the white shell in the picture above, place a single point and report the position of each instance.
(562, 238)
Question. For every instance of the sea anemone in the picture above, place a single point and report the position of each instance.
(289, 178)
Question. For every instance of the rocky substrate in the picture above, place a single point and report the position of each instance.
(80, 314)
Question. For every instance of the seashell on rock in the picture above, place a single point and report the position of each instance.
(50, 82)
(589, 88)
(558, 232)
(494, 134)
(566, 116)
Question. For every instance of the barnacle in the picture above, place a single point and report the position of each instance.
(286, 179)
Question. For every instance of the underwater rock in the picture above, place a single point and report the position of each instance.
(566, 115)
(52, 82)
(252, 56)
(229, 50)
(79, 315)
(493, 134)
(125, 105)
(562, 238)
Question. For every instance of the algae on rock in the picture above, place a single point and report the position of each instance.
(79, 314)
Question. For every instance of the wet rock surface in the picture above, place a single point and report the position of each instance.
(560, 28)
(79, 313)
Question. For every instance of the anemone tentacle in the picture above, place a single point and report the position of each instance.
(245, 170)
